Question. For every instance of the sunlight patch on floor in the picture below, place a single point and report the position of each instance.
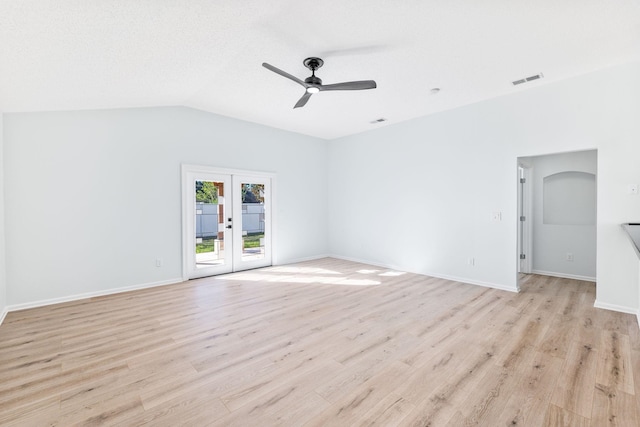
(392, 273)
(300, 270)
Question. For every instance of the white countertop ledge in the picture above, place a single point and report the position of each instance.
(633, 231)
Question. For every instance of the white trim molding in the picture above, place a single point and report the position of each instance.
(475, 282)
(564, 276)
(305, 259)
(3, 315)
(41, 303)
(614, 307)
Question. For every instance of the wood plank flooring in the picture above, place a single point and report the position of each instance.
(324, 343)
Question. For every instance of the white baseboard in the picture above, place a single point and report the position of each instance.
(638, 317)
(293, 261)
(614, 307)
(41, 303)
(436, 275)
(361, 261)
(475, 282)
(564, 276)
(3, 315)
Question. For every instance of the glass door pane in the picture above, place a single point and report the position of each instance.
(252, 221)
(208, 242)
(252, 234)
(209, 220)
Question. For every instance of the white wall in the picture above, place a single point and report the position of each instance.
(3, 282)
(434, 182)
(110, 184)
(552, 242)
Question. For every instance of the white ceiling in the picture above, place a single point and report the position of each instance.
(207, 54)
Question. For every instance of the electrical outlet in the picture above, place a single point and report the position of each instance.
(569, 257)
(158, 262)
(471, 261)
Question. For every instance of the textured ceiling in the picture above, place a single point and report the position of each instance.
(207, 54)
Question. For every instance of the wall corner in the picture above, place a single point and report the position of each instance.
(3, 265)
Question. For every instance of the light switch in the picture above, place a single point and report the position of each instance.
(496, 216)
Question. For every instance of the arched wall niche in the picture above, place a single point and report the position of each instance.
(569, 198)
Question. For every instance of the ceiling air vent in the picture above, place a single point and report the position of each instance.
(376, 121)
(527, 79)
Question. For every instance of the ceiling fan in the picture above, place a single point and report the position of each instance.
(313, 84)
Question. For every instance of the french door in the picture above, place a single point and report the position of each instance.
(226, 221)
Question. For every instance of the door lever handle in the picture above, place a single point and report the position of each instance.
(228, 226)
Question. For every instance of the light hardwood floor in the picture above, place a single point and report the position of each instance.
(324, 343)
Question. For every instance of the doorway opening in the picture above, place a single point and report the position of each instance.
(226, 220)
(557, 215)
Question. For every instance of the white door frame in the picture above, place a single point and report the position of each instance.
(525, 201)
(189, 169)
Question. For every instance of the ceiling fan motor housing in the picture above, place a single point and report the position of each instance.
(313, 80)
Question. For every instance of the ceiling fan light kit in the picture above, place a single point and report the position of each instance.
(313, 84)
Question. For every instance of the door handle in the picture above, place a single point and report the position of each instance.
(228, 226)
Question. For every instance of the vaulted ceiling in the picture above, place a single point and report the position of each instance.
(207, 54)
